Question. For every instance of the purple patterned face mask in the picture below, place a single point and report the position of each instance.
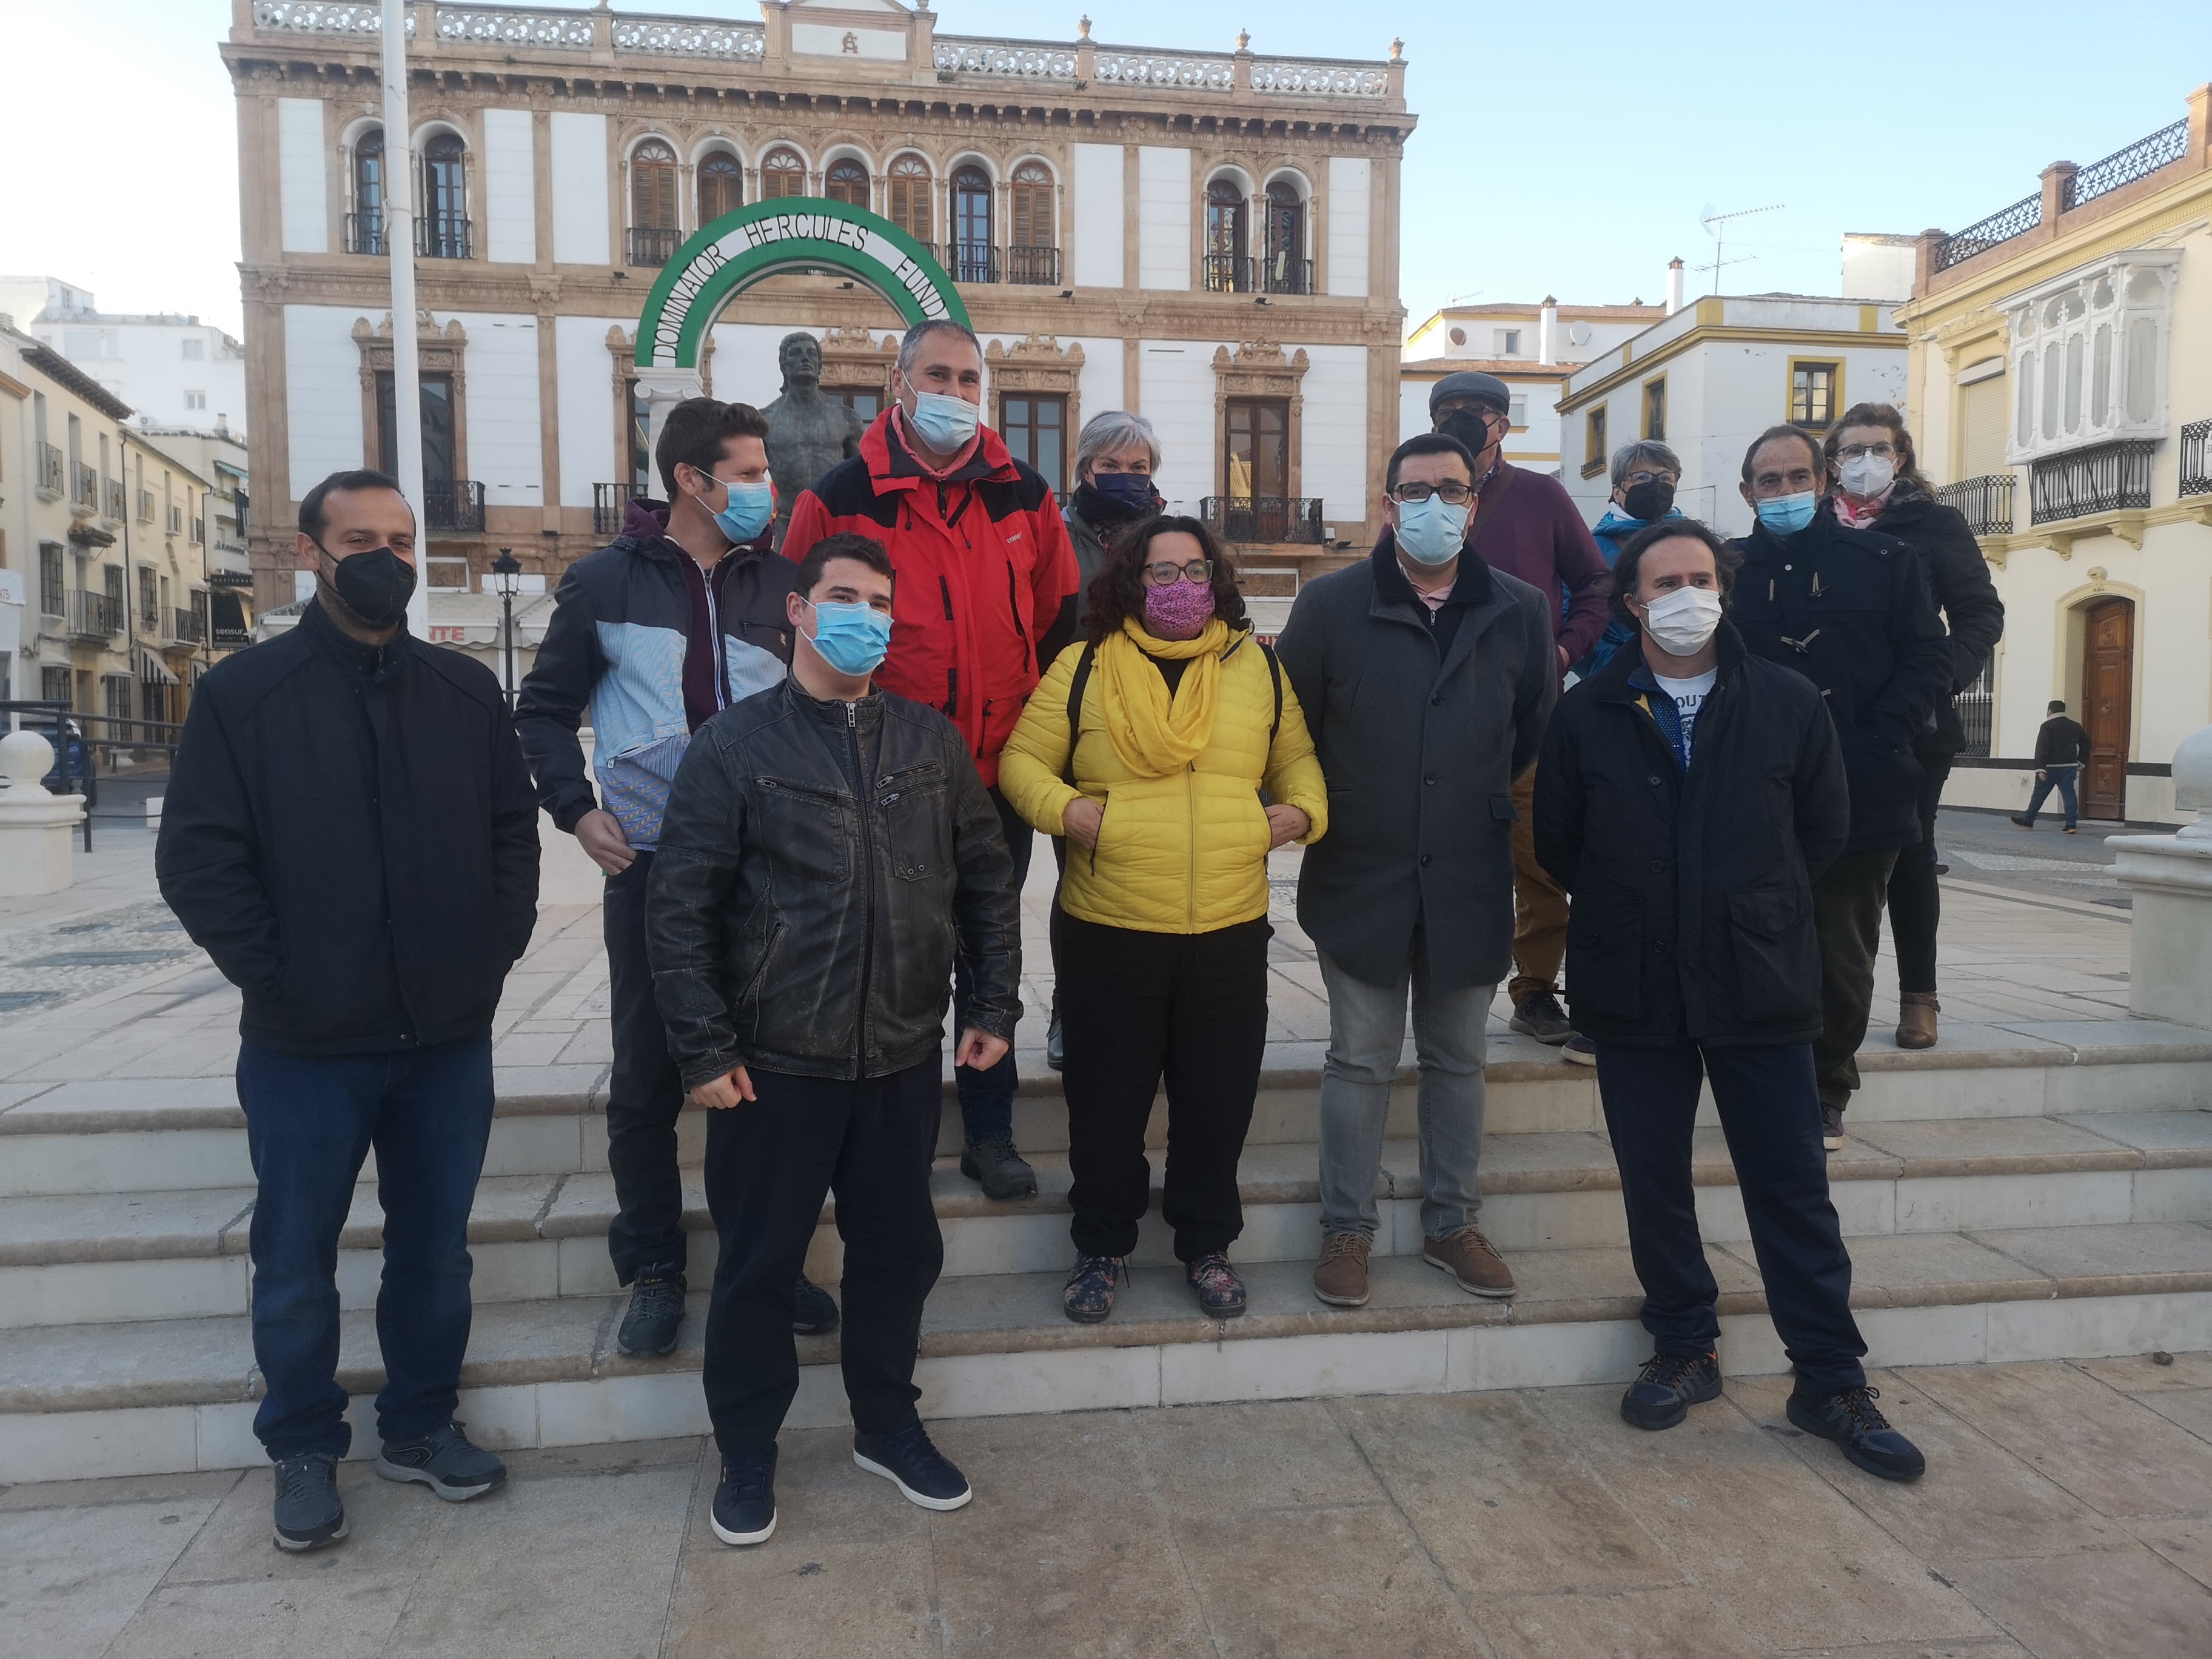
(1179, 611)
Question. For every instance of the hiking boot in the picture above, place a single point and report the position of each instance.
(2025, 823)
(915, 1466)
(1832, 1129)
(309, 1513)
(445, 1462)
(1855, 1423)
(1579, 1049)
(813, 1310)
(1668, 1386)
(1466, 1255)
(1215, 1283)
(1540, 1015)
(656, 1309)
(1340, 1276)
(744, 1501)
(1003, 1171)
(1915, 1019)
(1088, 1296)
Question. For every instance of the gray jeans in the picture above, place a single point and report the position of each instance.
(1367, 1030)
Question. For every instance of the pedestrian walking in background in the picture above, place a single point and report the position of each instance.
(986, 596)
(350, 833)
(1525, 525)
(1426, 678)
(827, 849)
(1850, 611)
(2061, 749)
(1688, 798)
(693, 582)
(1645, 475)
(1147, 748)
(1876, 485)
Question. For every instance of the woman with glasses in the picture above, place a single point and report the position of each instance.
(1876, 485)
(1645, 476)
(1147, 747)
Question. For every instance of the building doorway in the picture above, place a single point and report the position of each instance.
(2108, 668)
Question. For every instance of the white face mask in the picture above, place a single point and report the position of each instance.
(1680, 622)
(1867, 476)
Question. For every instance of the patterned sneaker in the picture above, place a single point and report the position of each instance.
(1668, 1386)
(1215, 1283)
(446, 1462)
(656, 1309)
(1854, 1422)
(1088, 1296)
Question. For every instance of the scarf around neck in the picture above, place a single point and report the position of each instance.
(1858, 518)
(1156, 735)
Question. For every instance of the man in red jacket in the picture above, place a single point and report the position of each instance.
(1526, 525)
(986, 597)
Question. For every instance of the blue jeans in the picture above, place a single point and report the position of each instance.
(2060, 778)
(309, 1124)
(987, 1098)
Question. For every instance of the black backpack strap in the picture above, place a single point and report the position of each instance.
(1077, 683)
(1275, 674)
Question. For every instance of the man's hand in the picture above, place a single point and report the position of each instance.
(2043, 777)
(1079, 820)
(602, 839)
(1285, 824)
(979, 1050)
(1565, 662)
(724, 1092)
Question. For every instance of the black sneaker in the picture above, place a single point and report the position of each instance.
(745, 1502)
(1221, 1292)
(910, 1462)
(1003, 1171)
(1579, 1049)
(1854, 1422)
(656, 1309)
(1668, 1386)
(445, 1462)
(1088, 1296)
(1540, 1015)
(1055, 1047)
(2025, 823)
(1832, 1129)
(309, 1513)
(814, 1310)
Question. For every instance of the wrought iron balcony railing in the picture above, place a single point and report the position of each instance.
(114, 494)
(1270, 519)
(971, 261)
(2124, 166)
(444, 236)
(652, 246)
(2001, 226)
(1985, 503)
(145, 507)
(86, 492)
(364, 234)
(95, 616)
(2102, 478)
(187, 628)
(49, 470)
(1280, 274)
(1038, 266)
(1229, 273)
(609, 503)
(458, 506)
(2197, 458)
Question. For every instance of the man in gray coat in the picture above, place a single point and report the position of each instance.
(1427, 678)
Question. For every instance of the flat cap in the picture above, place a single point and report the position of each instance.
(1467, 383)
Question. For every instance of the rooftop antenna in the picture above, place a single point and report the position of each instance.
(1716, 226)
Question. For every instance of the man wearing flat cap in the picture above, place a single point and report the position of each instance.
(1525, 524)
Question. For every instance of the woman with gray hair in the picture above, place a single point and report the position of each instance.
(1644, 475)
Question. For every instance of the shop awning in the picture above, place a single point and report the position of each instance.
(151, 667)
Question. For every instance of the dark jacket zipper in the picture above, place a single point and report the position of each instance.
(861, 795)
(952, 673)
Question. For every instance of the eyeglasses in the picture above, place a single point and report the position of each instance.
(1860, 452)
(1197, 570)
(1649, 478)
(1454, 493)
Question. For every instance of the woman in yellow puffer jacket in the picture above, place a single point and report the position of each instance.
(1182, 718)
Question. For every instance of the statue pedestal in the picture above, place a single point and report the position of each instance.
(2170, 953)
(35, 852)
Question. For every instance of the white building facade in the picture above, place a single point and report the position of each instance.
(176, 371)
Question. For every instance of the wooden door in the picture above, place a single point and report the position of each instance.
(2107, 681)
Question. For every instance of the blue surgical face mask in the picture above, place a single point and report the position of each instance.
(1785, 515)
(853, 639)
(1429, 532)
(750, 508)
(945, 424)
(1130, 489)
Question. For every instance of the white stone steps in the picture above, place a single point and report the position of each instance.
(166, 1395)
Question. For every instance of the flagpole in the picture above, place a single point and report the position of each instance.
(399, 243)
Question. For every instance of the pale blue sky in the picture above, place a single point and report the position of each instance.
(1567, 149)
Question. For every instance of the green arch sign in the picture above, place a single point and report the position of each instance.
(793, 233)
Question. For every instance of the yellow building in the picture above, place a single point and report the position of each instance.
(2061, 391)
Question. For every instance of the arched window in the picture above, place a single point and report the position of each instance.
(1031, 253)
(722, 185)
(1227, 269)
(1286, 269)
(973, 259)
(911, 194)
(654, 233)
(365, 224)
(444, 227)
(847, 182)
(783, 173)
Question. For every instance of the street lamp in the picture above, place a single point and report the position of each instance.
(507, 571)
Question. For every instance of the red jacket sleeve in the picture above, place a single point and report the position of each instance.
(1582, 573)
(809, 523)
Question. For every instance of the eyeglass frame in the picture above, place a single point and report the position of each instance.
(1468, 492)
(1652, 477)
(1886, 452)
(1180, 573)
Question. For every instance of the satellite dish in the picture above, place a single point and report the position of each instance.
(1578, 334)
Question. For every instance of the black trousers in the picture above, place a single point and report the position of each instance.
(770, 1164)
(1770, 1113)
(644, 1095)
(1847, 916)
(1136, 1006)
(987, 1098)
(1916, 901)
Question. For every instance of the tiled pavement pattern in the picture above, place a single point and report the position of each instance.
(2067, 1514)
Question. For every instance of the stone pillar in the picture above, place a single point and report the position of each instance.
(662, 388)
(2170, 947)
(35, 854)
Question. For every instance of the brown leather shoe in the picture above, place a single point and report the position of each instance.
(1467, 1257)
(1340, 1278)
(1915, 1019)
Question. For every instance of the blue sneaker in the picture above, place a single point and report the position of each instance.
(1855, 1423)
(744, 1501)
(1668, 1386)
(917, 1468)
(309, 1512)
(446, 1462)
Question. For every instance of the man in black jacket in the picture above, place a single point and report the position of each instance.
(693, 583)
(2062, 748)
(827, 848)
(1689, 797)
(350, 834)
(1848, 610)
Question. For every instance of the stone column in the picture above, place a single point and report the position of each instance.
(35, 853)
(2170, 947)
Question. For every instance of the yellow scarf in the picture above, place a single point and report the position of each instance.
(1154, 735)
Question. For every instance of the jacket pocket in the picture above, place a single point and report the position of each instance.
(812, 828)
(1605, 956)
(1777, 956)
(911, 805)
(1502, 809)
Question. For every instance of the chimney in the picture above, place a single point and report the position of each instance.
(1547, 331)
(1673, 286)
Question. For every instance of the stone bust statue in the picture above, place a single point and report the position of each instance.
(809, 431)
